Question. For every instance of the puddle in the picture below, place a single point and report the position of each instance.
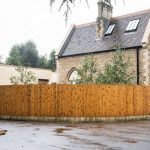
(71, 125)
(31, 141)
(130, 141)
(37, 129)
(99, 126)
(61, 130)
(3, 132)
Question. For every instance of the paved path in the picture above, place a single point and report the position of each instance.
(99, 136)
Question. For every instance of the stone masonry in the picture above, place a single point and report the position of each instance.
(67, 63)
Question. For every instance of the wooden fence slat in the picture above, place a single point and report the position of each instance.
(89, 101)
(138, 100)
(97, 99)
(148, 98)
(74, 100)
(130, 100)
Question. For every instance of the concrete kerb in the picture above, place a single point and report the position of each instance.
(76, 119)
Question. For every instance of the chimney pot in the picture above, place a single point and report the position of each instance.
(104, 13)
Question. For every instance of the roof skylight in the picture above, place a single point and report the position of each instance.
(132, 26)
(110, 29)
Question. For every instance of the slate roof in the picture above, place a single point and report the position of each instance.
(82, 39)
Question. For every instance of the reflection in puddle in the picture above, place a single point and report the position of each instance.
(3, 132)
(130, 141)
(61, 130)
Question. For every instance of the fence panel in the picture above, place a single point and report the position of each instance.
(138, 100)
(74, 100)
(63, 101)
(148, 100)
(130, 100)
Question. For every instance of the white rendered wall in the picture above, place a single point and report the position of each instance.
(6, 71)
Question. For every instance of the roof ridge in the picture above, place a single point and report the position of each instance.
(125, 15)
(129, 14)
(85, 24)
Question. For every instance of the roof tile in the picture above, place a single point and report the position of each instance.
(83, 40)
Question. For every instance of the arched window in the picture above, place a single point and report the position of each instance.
(72, 76)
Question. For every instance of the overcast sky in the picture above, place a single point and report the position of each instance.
(22, 20)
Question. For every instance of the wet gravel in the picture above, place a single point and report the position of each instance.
(62, 136)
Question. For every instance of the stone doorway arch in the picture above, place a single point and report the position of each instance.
(72, 75)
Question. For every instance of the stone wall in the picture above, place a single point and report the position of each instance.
(144, 55)
(149, 61)
(144, 66)
(67, 63)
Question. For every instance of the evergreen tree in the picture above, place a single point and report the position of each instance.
(43, 62)
(52, 61)
(24, 54)
(14, 56)
(1, 59)
(30, 54)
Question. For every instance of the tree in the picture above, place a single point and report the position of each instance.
(14, 56)
(30, 54)
(87, 72)
(43, 62)
(1, 59)
(68, 3)
(52, 61)
(117, 70)
(24, 77)
(24, 54)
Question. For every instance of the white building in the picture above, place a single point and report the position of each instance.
(42, 75)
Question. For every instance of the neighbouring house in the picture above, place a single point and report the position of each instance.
(100, 38)
(42, 75)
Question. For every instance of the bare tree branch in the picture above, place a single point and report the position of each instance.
(67, 3)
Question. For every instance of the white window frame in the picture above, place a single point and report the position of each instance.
(110, 29)
(132, 25)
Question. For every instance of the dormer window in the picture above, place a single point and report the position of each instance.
(110, 29)
(132, 26)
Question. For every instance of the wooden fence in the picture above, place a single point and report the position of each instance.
(74, 100)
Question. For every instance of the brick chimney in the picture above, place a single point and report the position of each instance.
(104, 13)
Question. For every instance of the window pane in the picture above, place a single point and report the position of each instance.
(128, 27)
(132, 25)
(135, 24)
(110, 29)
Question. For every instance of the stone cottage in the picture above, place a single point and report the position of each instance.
(100, 38)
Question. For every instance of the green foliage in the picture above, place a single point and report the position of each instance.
(87, 71)
(43, 62)
(24, 55)
(1, 59)
(52, 61)
(14, 56)
(24, 77)
(114, 72)
(117, 70)
(29, 54)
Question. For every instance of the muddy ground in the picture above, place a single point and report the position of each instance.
(100, 136)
